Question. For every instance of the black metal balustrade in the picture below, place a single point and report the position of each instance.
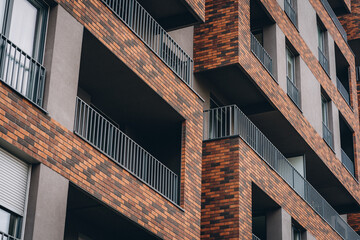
(4, 236)
(347, 162)
(344, 93)
(21, 72)
(327, 136)
(290, 12)
(293, 93)
(154, 36)
(259, 51)
(334, 18)
(231, 121)
(111, 141)
(323, 61)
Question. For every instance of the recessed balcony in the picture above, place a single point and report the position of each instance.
(154, 36)
(230, 121)
(334, 18)
(21, 72)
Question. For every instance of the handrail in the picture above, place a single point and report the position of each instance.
(254, 237)
(334, 18)
(327, 136)
(231, 121)
(290, 12)
(293, 92)
(323, 61)
(344, 93)
(259, 51)
(347, 162)
(154, 36)
(5, 236)
(111, 141)
(21, 72)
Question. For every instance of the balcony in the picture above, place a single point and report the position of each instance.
(4, 236)
(290, 12)
(344, 93)
(154, 36)
(103, 134)
(231, 121)
(323, 61)
(327, 136)
(336, 21)
(347, 162)
(21, 72)
(258, 50)
(293, 93)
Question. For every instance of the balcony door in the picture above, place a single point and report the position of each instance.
(23, 24)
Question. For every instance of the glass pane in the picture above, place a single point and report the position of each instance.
(321, 39)
(23, 25)
(290, 66)
(2, 12)
(4, 221)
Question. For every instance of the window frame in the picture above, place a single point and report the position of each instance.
(291, 55)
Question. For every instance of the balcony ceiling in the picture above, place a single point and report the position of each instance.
(170, 14)
(339, 7)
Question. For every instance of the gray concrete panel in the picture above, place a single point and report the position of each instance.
(62, 61)
(46, 205)
(278, 225)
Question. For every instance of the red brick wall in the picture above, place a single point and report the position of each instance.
(354, 221)
(229, 168)
(351, 22)
(42, 138)
(206, 38)
(198, 6)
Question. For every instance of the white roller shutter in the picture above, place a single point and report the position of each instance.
(13, 182)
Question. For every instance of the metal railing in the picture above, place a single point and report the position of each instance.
(344, 93)
(357, 73)
(293, 92)
(4, 236)
(154, 36)
(254, 237)
(231, 121)
(347, 162)
(111, 141)
(21, 72)
(259, 51)
(327, 136)
(290, 12)
(323, 61)
(334, 18)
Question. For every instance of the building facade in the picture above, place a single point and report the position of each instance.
(179, 119)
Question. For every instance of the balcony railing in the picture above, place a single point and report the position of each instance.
(293, 92)
(327, 136)
(357, 73)
(334, 19)
(231, 121)
(259, 51)
(323, 61)
(111, 141)
(290, 12)
(154, 36)
(347, 162)
(254, 237)
(344, 93)
(4, 236)
(21, 72)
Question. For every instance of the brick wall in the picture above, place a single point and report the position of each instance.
(351, 22)
(43, 139)
(205, 38)
(198, 6)
(229, 168)
(354, 221)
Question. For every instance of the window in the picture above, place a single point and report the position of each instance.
(321, 38)
(290, 66)
(325, 111)
(296, 233)
(23, 22)
(10, 223)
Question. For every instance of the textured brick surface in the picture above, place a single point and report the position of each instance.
(354, 221)
(27, 128)
(351, 22)
(198, 7)
(229, 168)
(205, 38)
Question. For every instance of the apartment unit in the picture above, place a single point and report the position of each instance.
(177, 119)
